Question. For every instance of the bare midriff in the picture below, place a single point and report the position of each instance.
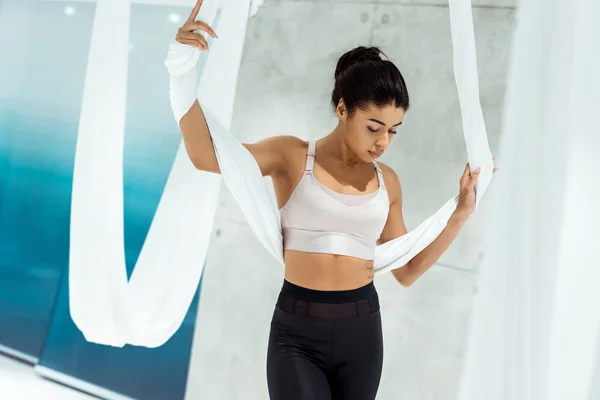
(326, 271)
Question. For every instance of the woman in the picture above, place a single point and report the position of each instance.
(337, 204)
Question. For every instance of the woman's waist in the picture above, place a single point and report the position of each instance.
(328, 304)
(327, 271)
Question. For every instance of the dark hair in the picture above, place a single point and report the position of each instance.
(362, 78)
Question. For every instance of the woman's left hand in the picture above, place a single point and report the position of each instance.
(466, 201)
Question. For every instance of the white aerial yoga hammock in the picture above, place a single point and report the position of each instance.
(147, 310)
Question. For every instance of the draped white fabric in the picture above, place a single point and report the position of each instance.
(536, 318)
(149, 308)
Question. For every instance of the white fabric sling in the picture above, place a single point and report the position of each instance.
(147, 310)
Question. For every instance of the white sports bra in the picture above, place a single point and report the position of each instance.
(317, 219)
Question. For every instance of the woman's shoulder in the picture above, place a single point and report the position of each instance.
(292, 151)
(291, 146)
(280, 144)
(386, 169)
(392, 182)
(291, 140)
(286, 142)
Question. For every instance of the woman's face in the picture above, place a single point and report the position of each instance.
(370, 132)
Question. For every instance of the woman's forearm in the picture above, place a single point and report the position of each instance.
(409, 273)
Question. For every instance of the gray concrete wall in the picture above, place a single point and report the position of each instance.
(285, 82)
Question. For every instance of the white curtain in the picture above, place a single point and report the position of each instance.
(535, 322)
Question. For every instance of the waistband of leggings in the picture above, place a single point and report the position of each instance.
(328, 296)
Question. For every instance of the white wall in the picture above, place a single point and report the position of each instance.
(284, 86)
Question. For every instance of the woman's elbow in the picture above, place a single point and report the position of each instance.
(205, 166)
(403, 276)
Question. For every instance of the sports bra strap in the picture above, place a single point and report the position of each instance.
(310, 156)
(379, 175)
(310, 162)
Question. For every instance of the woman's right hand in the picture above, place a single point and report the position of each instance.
(186, 34)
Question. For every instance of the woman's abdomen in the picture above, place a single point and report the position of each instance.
(326, 271)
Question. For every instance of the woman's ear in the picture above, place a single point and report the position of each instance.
(341, 111)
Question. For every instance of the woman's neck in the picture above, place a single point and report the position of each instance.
(336, 146)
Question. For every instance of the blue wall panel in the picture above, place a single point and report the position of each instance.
(44, 49)
(40, 96)
(138, 372)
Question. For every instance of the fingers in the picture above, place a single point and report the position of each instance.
(191, 24)
(186, 34)
(194, 12)
(202, 26)
(469, 178)
(194, 26)
(192, 39)
(466, 174)
(475, 176)
(189, 42)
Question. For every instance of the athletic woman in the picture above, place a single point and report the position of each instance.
(337, 203)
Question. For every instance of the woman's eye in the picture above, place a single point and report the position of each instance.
(373, 130)
(393, 132)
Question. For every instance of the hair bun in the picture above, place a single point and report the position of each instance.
(364, 78)
(356, 56)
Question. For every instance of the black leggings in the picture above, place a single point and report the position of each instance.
(325, 345)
